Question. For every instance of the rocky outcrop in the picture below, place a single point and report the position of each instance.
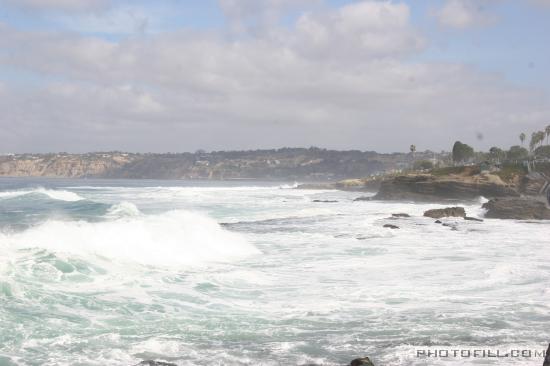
(547, 358)
(517, 208)
(390, 226)
(468, 218)
(364, 361)
(439, 213)
(400, 215)
(427, 187)
(534, 184)
(363, 198)
(155, 363)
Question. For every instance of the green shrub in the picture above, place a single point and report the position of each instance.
(423, 165)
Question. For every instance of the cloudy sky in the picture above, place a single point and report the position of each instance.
(179, 75)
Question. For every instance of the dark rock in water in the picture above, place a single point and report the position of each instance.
(547, 358)
(468, 218)
(390, 226)
(517, 208)
(452, 226)
(155, 363)
(438, 221)
(446, 212)
(365, 361)
(363, 198)
(324, 201)
(401, 215)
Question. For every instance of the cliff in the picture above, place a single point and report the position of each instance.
(68, 166)
(450, 184)
(312, 164)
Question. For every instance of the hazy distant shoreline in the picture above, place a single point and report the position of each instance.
(313, 164)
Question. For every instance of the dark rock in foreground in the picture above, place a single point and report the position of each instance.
(155, 363)
(517, 208)
(365, 361)
(446, 212)
(390, 226)
(363, 198)
(468, 218)
(547, 358)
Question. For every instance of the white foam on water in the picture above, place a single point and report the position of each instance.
(289, 186)
(176, 238)
(123, 209)
(324, 290)
(61, 195)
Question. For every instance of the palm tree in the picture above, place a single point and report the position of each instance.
(547, 132)
(533, 142)
(536, 139)
(413, 149)
(522, 138)
(542, 134)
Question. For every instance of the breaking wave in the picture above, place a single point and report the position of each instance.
(172, 239)
(123, 209)
(60, 195)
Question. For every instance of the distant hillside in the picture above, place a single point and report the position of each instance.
(287, 163)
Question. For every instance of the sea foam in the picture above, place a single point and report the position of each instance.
(60, 195)
(123, 209)
(175, 238)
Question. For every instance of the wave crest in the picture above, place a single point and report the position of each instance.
(123, 209)
(176, 238)
(60, 195)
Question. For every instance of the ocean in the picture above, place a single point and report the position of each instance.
(113, 272)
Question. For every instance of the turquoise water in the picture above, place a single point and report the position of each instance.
(240, 273)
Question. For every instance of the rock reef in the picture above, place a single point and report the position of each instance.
(517, 208)
(439, 213)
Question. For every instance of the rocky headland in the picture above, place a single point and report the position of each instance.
(462, 184)
(517, 208)
(513, 193)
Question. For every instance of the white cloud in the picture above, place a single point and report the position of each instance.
(465, 13)
(337, 79)
(117, 20)
(59, 5)
(245, 14)
(360, 29)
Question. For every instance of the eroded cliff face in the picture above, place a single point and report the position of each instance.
(68, 166)
(425, 187)
(288, 163)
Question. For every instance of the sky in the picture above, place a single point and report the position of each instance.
(182, 75)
